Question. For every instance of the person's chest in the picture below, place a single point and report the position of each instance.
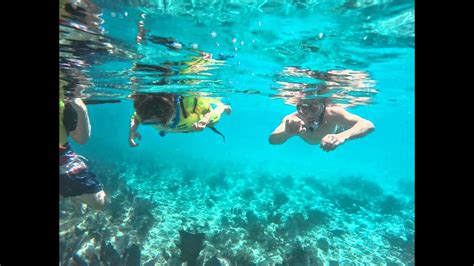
(315, 135)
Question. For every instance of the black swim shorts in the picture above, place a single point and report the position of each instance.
(75, 179)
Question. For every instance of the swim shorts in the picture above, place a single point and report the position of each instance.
(75, 179)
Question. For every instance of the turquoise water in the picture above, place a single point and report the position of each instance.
(197, 181)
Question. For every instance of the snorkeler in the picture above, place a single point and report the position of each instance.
(223, 56)
(174, 113)
(318, 123)
(76, 181)
(171, 43)
(144, 35)
(195, 64)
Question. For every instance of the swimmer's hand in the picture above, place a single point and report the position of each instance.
(331, 141)
(199, 126)
(131, 138)
(77, 104)
(227, 109)
(294, 126)
(175, 45)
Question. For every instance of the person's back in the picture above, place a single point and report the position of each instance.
(76, 181)
(192, 110)
(170, 113)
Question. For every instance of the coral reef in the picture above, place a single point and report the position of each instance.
(240, 219)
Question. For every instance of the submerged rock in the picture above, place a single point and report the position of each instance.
(108, 255)
(349, 203)
(390, 205)
(300, 256)
(279, 199)
(274, 217)
(78, 260)
(213, 262)
(317, 217)
(323, 244)
(142, 219)
(361, 186)
(391, 263)
(295, 222)
(190, 245)
(248, 194)
(151, 262)
(94, 260)
(132, 256)
(218, 180)
(252, 218)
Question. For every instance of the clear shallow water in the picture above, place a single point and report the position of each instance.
(375, 39)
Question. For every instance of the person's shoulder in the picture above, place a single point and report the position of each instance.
(335, 110)
(290, 116)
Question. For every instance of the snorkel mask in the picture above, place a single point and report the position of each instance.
(310, 111)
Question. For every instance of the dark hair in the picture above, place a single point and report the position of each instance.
(69, 118)
(148, 105)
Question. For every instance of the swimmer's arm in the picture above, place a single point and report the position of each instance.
(203, 122)
(205, 119)
(358, 126)
(280, 134)
(160, 40)
(220, 107)
(132, 134)
(82, 132)
(134, 122)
